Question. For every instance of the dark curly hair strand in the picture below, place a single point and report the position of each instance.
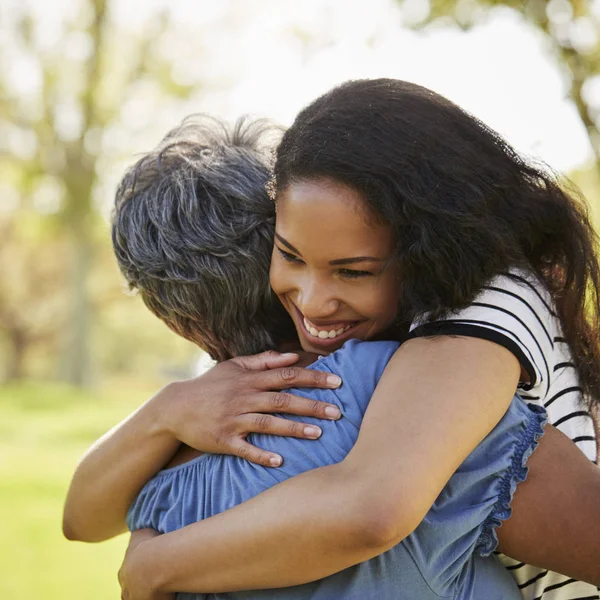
(463, 205)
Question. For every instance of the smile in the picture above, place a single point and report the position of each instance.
(328, 335)
(330, 332)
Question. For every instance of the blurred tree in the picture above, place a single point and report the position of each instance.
(65, 75)
(32, 302)
(571, 28)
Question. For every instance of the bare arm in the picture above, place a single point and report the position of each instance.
(555, 523)
(340, 515)
(213, 413)
(114, 470)
(556, 527)
(426, 416)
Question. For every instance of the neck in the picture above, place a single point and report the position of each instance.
(306, 358)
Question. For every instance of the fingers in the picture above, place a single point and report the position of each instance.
(282, 402)
(289, 376)
(266, 360)
(251, 453)
(272, 425)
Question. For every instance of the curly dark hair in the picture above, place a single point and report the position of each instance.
(463, 205)
(192, 231)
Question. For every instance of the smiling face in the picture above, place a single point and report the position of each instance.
(331, 266)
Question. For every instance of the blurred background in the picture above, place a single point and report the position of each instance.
(86, 86)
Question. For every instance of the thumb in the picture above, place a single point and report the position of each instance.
(266, 360)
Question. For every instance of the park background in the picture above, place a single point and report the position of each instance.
(86, 86)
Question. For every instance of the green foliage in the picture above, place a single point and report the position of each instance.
(587, 180)
(56, 129)
(44, 430)
(571, 28)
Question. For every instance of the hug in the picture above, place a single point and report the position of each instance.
(401, 245)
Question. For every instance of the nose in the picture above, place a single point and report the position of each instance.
(316, 299)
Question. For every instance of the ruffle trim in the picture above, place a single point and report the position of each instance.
(517, 473)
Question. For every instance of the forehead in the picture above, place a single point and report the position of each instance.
(328, 217)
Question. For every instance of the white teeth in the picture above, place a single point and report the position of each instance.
(324, 334)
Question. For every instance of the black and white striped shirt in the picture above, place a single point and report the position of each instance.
(516, 311)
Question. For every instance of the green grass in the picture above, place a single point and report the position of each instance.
(44, 429)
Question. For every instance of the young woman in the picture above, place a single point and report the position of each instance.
(494, 262)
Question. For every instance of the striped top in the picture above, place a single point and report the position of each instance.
(516, 311)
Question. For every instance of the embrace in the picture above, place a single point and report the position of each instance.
(405, 313)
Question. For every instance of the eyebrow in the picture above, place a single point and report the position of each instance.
(286, 243)
(337, 261)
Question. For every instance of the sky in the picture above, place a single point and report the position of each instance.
(275, 61)
(272, 57)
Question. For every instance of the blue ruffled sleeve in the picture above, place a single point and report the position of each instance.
(515, 474)
(463, 520)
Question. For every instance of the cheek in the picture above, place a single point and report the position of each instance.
(279, 275)
(386, 306)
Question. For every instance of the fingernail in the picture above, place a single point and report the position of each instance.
(333, 412)
(312, 432)
(288, 354)
(275, 461)
(334, 380)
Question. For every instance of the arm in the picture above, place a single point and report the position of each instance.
(425, 417)
(555, 523)
(114, 470)
(212, 413)
(349, 517)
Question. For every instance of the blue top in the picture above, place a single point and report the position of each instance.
(447, 556)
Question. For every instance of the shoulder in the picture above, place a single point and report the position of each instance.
(522, 289)
(513, 309)
(360, 365)
(515, 295)
(359, 358)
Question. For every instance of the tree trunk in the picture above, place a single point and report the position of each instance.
(76, 354)
(16, 365)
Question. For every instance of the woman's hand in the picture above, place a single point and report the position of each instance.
(216, 411)
(211, 413)
(132, 585)
(425, 417)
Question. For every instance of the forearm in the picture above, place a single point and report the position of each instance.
(212, 413)
(274, 540)
(113, 471)
(328, 519)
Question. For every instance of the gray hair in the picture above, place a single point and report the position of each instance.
(193, 230)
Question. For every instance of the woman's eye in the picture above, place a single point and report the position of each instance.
(288, 257)
(352, 274)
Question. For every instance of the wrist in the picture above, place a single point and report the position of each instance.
(140, 573)
(162, 414)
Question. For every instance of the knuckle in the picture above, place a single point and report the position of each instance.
(280, 401)
(296, 429)
(244, 452)
(319, 378)
(317, 407)
(289, 374)
(263, 422)
(221, 439)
